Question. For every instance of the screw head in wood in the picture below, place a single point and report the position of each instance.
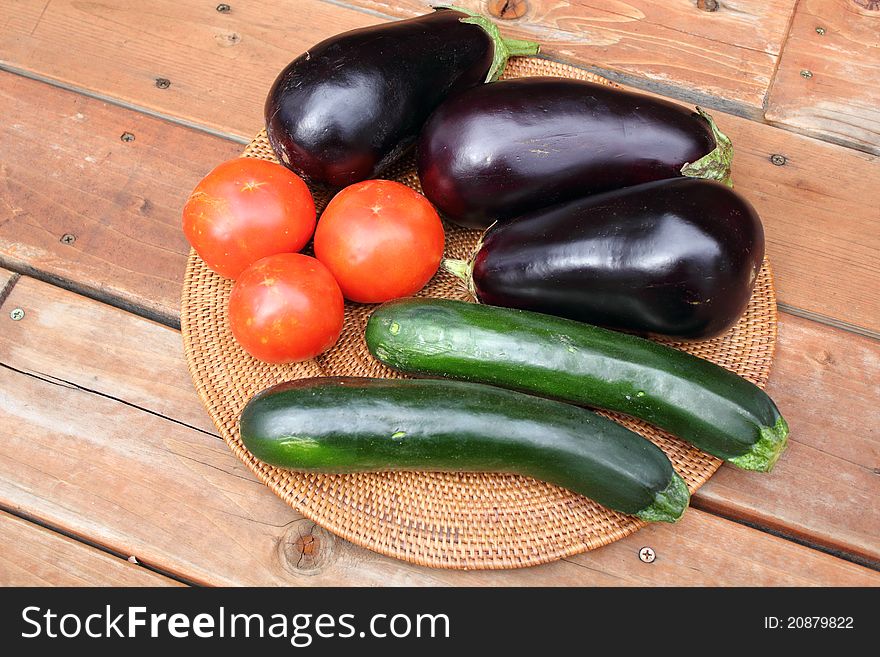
(508, 9)
(820, 31)
(163, 83)
(126, 137)
(778, 159)
(68, 238)
(647, 555)
(806, 74)
(16, 314)
(224, 8)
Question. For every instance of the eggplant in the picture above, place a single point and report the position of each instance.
(348, 107)
(675, 258)
(498, 151)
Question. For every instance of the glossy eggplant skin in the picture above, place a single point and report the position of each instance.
(352, 104)
(675, 258)
(497, 151)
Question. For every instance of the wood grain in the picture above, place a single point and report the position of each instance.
(820, 213)
(837, 44)
(93, 452)
(66, 171)
(72, 174)
(825, 488)
(724, 59)
(5, 283)
(35, 556)
(220, 65)
(705, 550)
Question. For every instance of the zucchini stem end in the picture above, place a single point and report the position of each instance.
(669, 504)
(763, 454)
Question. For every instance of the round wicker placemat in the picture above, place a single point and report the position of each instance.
(438, 519)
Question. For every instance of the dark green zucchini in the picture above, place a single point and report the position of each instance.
(350, 424)
(698, 401)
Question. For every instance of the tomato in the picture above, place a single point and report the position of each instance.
(246, 209)
(380, 239)
(286, 308)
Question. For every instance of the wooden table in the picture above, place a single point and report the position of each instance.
(110, 470)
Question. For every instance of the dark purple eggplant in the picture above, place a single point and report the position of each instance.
(498, 151)
(352, 104)
(675, 258)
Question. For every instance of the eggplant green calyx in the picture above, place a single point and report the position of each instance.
(716, 164)
(463, 270)
(669, 504)
(763, 454)
(504, 48)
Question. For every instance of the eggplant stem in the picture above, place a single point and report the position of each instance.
(521, 48)
(716, 164)
(504, 48)
(457, 267)
(462, 270)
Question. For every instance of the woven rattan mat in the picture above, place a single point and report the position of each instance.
(438, 519)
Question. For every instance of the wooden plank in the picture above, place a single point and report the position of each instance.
(129, 249)
(35, 556)
(85, 461)
(828, 82)
(705, 550)
(221, 64)
(825, 488)
(723, 58)
(66, 171)
(820, 217)
(5, 280)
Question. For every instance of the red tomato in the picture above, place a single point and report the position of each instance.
(380, 239)
(286, 308)
(247, 209)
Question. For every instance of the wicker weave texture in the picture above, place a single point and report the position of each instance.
(467, 520)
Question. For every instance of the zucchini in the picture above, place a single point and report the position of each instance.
(352, 424)
(698, 401)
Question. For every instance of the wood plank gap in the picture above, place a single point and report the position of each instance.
(819, 318)
(671, 91)
(90, 292)
(629, 79)
(821, 136)
(118, 102)
(712, 509)
(173, 321)
(75, 386)
(782, 45)
(7, 287)
(39, 522)
(365, 10)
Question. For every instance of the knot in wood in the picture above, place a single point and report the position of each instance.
(508, 9)
(708, 5)
(306, 548)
